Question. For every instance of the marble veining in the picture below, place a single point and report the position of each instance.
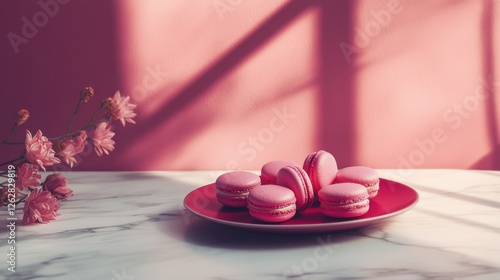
(133, 225)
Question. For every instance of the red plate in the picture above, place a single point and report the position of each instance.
(393, 199)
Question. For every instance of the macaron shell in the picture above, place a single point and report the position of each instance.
(272, 203)
(271, 196)
(232, 188)
(357, 174)
(344, 200)
(363, 175)
(297, 180)
(275, 217)
(237, 181)
(269, 171)
(232, 201)
(373, 190)
(346, 211)
(322, 168)
(343, 193)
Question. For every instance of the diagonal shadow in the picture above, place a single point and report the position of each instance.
(430, 10)
(463, 197)
(459, 220)
(335, 81)
(218, 69)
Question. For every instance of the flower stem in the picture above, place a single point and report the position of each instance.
(11, 143)
(12, 130)
(73, 116)
(90, 123)
(11, 161)
(94, 123)
(21, 200)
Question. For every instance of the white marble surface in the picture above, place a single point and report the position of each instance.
(132, 225)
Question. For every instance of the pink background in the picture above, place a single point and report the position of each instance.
(226, 84)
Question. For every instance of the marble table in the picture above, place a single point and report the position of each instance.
(133, 225)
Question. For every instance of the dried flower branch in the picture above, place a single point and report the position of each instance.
(21, 117)
(23, 182)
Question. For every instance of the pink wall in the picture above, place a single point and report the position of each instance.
(227, 84)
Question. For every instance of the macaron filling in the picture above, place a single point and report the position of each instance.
(372, 189)
(232, 193)
(371, 184)
(303, 182)
(362, 175)
(272, 203)
(233, 188)
(343, 201)
(310, 162)
(309, 165)
(346, 206)
(277, 210)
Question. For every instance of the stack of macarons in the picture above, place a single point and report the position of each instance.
(284, 188)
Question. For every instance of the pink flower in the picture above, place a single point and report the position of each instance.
(72, 147)
(119, 108)
(40, 206)
(56, 185)
(68, 153)
(80, 141)
(39, 150)
(27, 176)
(101, 139)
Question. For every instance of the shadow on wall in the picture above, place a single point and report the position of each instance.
(198, 87)
(78, 45)
(337, 122)
(335, 81)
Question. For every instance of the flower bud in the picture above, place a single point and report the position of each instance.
(111, 108)
(86, 94)
(22, 116)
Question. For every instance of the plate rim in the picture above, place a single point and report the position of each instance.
(319, 227)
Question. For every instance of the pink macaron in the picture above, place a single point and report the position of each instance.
(272, 203)
(269, 171)
(344, 200)
(232, 188)
(297, 180)
(363, 175)
(321, 167)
